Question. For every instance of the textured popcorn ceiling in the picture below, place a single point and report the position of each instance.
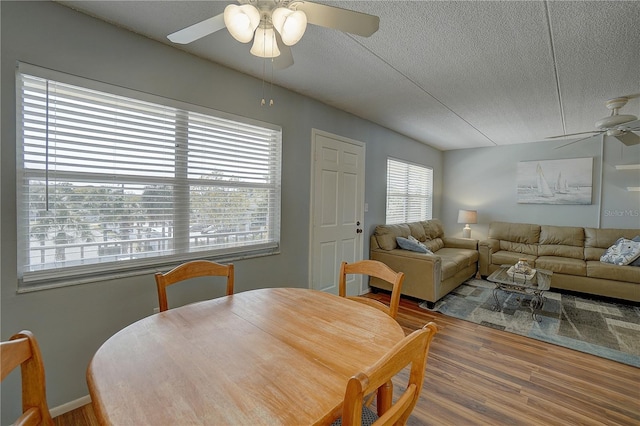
(451, 74)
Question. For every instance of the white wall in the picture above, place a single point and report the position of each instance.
(72, 322)
(484, 179)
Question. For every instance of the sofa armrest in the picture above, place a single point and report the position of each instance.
(485, 249)
(463, 243)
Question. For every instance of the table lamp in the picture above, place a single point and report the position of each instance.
(467, 217)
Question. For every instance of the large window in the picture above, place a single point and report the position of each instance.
(409, 192)
(117, 183)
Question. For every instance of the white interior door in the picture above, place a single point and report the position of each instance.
(337, 194)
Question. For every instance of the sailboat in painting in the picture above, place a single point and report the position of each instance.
(544, 190)
(561, 186)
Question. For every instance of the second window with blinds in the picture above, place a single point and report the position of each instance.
(409, 192)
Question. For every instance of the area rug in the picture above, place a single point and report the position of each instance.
(604, 328)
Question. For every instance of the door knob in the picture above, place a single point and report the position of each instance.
(358, 231)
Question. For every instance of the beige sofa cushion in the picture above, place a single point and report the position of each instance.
(592, 253)
(563, 235)
(563, 241)
(598, 240)
(433, 229)
(562, 265)
(516, 237)
(435, 244)
(461, 257)
(455, 260)
(417, 230)
(448, 268)
(530, 249)
(524, 233)
(561, 251)
(510, 258)
(597, 269)
(386, 235)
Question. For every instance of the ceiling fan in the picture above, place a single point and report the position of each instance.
(275, 25)
(620, 126)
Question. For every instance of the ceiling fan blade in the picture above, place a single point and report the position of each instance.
(285, 59)
(573, 134)
(629, 139)
(576, 141)
(199, 30)
(345, 20)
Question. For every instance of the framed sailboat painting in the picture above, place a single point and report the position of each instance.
(567, 181)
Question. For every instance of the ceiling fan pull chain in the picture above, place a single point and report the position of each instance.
(271, 87)
(273, 43)
(263, 102)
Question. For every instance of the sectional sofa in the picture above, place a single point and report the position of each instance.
(428, 276)
(572, 253)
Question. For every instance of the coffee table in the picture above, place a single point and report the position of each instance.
(535, 286)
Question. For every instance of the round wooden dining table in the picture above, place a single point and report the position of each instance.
(278, 356)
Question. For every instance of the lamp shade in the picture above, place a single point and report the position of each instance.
(264, 43)
(241, 21)
(291, 24)
(467, 216)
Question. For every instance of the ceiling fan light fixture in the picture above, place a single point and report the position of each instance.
(291, 24)
(264, 43)
(241, 21)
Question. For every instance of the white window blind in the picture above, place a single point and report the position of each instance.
(409, 192)
(111, 183)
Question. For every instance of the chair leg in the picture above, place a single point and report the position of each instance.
(385, 397)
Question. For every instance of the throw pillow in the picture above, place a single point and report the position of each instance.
(623, 252)
(637, 261)
(407, 244)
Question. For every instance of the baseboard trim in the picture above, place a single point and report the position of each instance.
(69, 406)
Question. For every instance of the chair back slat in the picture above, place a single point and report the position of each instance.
(376, 269)
(22, 350)
(192, 269)
(13, 353)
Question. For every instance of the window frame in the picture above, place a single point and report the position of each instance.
(409, 214)
(96, 270)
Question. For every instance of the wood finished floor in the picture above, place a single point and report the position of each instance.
(480, 376)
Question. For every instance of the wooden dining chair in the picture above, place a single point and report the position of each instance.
(376, 269)
(22, 350)
(188, 270)
(412, 350)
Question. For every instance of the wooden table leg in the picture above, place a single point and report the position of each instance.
(385, 397)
